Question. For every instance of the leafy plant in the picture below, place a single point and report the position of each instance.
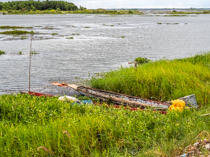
(141, 60)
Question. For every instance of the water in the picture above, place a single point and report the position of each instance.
(101, 43)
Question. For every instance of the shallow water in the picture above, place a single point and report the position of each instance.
(100, 43)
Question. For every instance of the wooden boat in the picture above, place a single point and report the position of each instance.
(117, 98)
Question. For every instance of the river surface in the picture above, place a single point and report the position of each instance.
(100, 43)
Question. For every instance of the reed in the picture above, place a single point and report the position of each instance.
(161, 80)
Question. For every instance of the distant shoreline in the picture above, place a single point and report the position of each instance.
(139, 11)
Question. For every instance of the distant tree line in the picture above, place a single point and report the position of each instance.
(38, 5)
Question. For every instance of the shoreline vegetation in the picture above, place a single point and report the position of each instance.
(62, 7)
(44, 126)
(104, 11)
(161, 80)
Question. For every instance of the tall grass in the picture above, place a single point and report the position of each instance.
(27, 123)
(161, 80)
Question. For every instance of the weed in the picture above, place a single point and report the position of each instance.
(14, 27)
(20, 53)
(16, 32)
(54, 34)
(122, 36)
(69, 37)
(34, 52)
(2, 52)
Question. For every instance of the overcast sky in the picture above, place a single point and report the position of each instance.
(94, 4)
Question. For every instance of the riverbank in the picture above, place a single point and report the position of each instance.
(161, 80)
(87, 11)
(28, 122)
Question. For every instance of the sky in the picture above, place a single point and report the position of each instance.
(94, 4)
(106, 4)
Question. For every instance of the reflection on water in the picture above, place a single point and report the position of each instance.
(99, 43)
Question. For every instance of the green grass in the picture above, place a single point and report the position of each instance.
(16, 32)
(2, 52)
(69, 37)
(14, 27)
(161, 80)
(27, 122)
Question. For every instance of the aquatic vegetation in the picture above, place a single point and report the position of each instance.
(122, 36)
(47, 27)
(54, 34)
(174, 15)
(2, 52)
(20, 53)
(14, 27)
(161, 80)
(34, 52)
(87, 27)
(69, 37)
(16, 32)
(23, 37)
(75, 34)
(159, 23)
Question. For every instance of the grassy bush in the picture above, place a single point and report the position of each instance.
(2, 52)
(162, 80)
(141, 60)
(27, 122)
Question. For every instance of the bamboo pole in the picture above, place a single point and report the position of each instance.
(29, 75)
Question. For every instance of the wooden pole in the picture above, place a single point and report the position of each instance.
(29, 75)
